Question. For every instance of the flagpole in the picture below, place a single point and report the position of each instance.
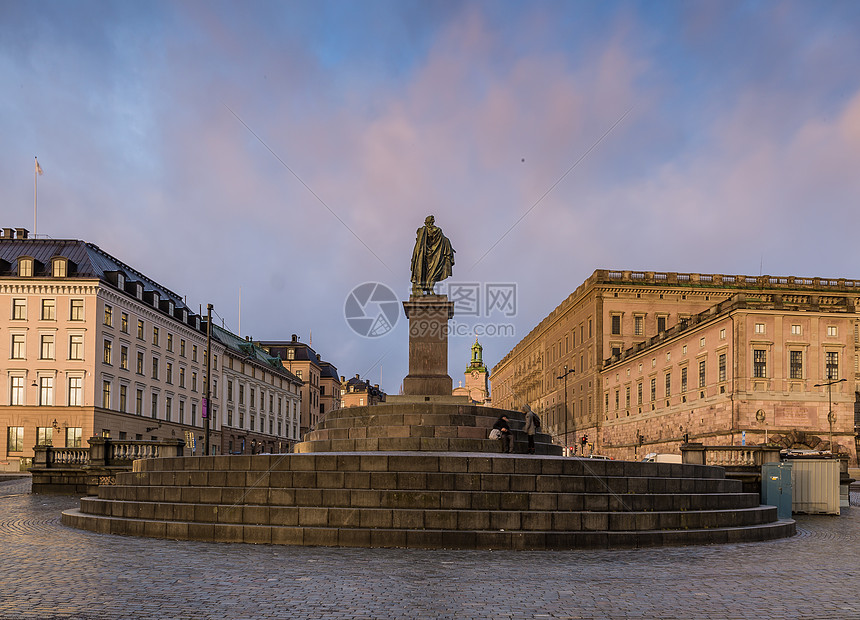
(37, 170)
(35, 194)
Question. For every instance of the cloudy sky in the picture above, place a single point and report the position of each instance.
(291, 149)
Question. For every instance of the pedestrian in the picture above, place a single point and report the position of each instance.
(507, 437)
(532, 426)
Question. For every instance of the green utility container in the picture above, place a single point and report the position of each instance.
(776, 487)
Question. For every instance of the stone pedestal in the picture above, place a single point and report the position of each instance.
(428, 345)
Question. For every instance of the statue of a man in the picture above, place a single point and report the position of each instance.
(432, 258)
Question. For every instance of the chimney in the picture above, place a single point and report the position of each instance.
(7, 233)
(22, 233)
(357, 376)
(295, 338)
(342, 379)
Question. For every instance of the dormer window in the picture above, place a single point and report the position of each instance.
(59, 268)
(184, 315)
(120, 281)
(155, 298)
(170, 308)
(25, 267)
(138, 290)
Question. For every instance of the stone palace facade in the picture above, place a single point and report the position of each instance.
(660, 358)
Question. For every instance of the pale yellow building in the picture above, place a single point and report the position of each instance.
(743, 372)
(613, 311)
(91, 346)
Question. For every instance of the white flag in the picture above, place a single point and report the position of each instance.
(38, 167)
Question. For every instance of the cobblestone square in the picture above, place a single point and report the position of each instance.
(54, 572)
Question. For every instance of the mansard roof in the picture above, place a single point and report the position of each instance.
(251, 352)
(86, 260)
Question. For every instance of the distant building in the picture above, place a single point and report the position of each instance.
(329, 387)
(261, 399)
(358, 392)
(302, 361)
(741, 372)
(476, 385)
(810, 329)
(94, 347)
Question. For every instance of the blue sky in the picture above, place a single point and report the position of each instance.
(738, 150)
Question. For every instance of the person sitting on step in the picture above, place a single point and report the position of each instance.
(507, 438)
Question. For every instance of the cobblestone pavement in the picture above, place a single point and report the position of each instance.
(51, 571)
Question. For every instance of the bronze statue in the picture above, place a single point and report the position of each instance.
(432, 258)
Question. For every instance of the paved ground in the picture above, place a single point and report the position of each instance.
(50, 571)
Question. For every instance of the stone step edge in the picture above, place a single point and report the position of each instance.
(520, 511)
(483, 460)
(258, 474)
(423, 539)
(732, 494)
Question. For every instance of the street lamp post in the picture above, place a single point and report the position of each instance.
(564, 376)
(830, 417)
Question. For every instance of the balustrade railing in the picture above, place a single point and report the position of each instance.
(105, 452)
(730, 457)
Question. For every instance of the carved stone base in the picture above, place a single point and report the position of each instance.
(428, 345)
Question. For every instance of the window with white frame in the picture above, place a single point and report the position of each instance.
(74, 435)
(796, 330)
(59, 267)
(19, 309)
(16, 392)
(831, 331)
(759, 328)
(19, 348)
(76, 347)
(49, 309)
(46, 347)
(46, 391)
(76, 391)
(44, 435)
(25, 267)
(76, 310)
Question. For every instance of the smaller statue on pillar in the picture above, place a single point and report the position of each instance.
(432, 258)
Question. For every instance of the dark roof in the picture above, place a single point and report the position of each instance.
(89, 261)
(361, 385)
(251, 351)
(328, 371)
(302, 352)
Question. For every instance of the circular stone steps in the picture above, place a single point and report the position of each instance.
(420, 426)
(428, 500)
